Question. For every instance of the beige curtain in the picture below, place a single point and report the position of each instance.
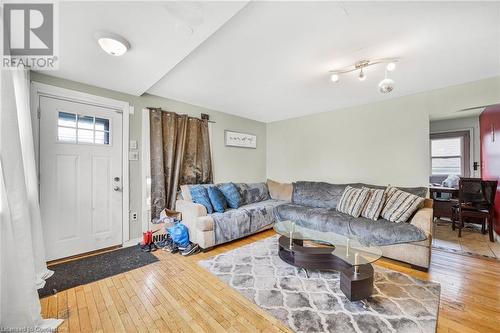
(180, 154)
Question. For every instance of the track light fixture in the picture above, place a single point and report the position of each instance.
(361, 75)
(385, 86)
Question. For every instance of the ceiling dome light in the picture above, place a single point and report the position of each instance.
(112, 44)
(362, 75)
(334, 77)
(391, 66)
(386, 86)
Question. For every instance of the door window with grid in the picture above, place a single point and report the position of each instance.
(450, 154)
(75, 128)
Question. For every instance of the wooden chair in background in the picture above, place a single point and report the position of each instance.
(476, 202)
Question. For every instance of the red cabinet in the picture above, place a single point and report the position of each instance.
(489, 123)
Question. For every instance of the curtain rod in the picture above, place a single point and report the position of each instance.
(204, 116)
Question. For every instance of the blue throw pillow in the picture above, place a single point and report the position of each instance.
(217, 199)
(233, 197)
(199, 195)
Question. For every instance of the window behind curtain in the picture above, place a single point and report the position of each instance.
(450, 154)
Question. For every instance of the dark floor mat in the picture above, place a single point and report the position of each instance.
(81, 271)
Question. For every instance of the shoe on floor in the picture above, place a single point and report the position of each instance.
(168, 243)
(191, 249)
(172, 248)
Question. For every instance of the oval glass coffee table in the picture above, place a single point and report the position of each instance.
(329, 251)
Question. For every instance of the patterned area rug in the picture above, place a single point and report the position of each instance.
(316, 304)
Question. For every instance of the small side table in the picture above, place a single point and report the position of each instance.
(443, 206)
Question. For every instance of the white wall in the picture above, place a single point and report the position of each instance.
(380, 143)
(467, 123)
(383, 143)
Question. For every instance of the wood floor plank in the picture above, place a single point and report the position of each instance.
(62, 310)
(73, 320)
(111, 308)
(85, 324)
(175, 294)
(52, 305)
(92, 310)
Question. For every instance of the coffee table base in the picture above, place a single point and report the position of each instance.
(355, 286)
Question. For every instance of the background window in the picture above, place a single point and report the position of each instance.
(450, 154)
(447, 156)
(75, 128)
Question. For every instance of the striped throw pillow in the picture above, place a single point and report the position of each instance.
(374, 204)
(353, 200)
(400, 205)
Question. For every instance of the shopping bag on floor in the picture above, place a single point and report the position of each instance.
(179, 234)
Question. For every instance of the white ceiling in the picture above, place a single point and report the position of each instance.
(157, 31)
(271, 60)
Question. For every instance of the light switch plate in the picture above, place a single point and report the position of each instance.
(133, 155)
(133, 144)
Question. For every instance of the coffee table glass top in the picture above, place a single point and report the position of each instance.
(346, 248)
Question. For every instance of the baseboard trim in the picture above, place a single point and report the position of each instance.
(420, 268)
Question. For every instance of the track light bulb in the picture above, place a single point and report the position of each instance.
(386, 86)
(362, 75)
(335, 77)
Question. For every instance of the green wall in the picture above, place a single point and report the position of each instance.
(230, 164)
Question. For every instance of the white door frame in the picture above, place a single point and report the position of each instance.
(145, 171)
(39, 89)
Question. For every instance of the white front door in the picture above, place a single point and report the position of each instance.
(80, 177)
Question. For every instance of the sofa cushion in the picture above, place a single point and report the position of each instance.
(353, 200)
(205, 223)
(251, 193)
(326, 195)
(199, 195)
(317, 194)
(380, 232)
(400, 205)
(280, 191)
(418, 191)
(246, 220)
(231, 193)
(217, 199)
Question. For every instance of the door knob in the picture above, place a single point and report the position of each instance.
(116, 188)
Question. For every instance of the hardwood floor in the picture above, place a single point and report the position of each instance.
(176, 295)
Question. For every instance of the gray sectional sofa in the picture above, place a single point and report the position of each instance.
(312, 204)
